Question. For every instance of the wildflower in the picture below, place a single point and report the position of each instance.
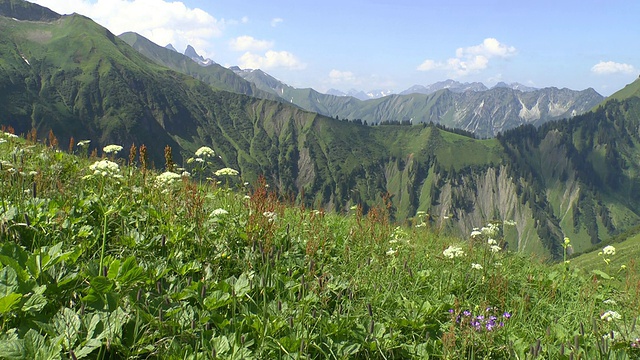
(83, 143)
(167, 178)
(199, 160)
(609, 302)
(10, 135)
(33, 173)
(218, 212)
(610, 315)
(391, 252)
(112, 149)
(509, 222)
(453, 252)
(609, 250)
(105, 168)
(226, 171)
(476, 266)
(492, 242)
(2, 141)
(186, 174)
(495, 248)
(475, 233)
(566, 241)
(205, 151)
(270, 215)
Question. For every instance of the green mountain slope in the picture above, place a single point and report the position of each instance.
(572, 178)
(215, 75)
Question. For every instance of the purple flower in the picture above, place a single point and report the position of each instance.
(466, 313)
(450, 311)
(506, 315)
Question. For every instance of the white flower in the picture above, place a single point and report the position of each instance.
(83, 143)
(226, 171)
(167, 178)
(10, 135)
(205, 151)
(495, 248)
(105, 168)
(112, 149)
(610, 315)
(199, 160)
(453, 252)
(609, 250)
(509, 222)
(475, 233)
(270, 215)
(609, 302)
(2, 141)
(218, 212)
(33, 173)
(476, 266)
(186, 174)
(391, 252)
(492, 242)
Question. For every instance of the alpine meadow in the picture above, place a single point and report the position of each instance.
(155, 207)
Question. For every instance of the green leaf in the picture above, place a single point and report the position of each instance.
(88, 348)
(9, 302)
(12, 349)
(217, 299)
(602, 274)
(14, 256)
(242, 285)
(8, 281)
(35, 303)
(101, 284)
(67, 323)
(221, 345)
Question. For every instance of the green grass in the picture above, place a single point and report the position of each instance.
(123, 266)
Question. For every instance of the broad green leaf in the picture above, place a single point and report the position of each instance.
(88, 348)
(9, 302)
(101, 284)
(12, 349)
(35, 303)
(217, 299)
(8, 281)
(242, 285)
(602, 274)
(221, 345)
(67, 324)
(14, 256)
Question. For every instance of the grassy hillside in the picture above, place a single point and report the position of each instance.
(572, 178)
(113, 260)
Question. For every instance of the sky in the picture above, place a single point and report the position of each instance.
(394, 44)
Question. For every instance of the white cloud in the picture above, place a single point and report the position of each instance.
(337, 76)
(248, 43)
(271, 59)
(610, 67)
(161, 21)
(471, 59)
(276, 21)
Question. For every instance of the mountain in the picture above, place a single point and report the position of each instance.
(170, 47)
(193, 55)
(451, 85)
(514, 86)
(575, 178)
(22, 10)
(215, 75)
(467, 106)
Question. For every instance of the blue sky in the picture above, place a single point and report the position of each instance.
(394, 44)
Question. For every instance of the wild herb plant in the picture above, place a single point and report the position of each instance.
(100, 259)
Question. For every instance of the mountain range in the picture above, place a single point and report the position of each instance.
(573, 177)
(469, 106)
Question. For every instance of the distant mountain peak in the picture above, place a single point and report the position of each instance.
(170, 47)
(191, 53)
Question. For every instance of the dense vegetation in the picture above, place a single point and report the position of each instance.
(105, 258)
(574, 178)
